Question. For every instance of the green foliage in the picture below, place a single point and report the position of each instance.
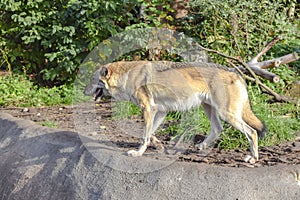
(18, 91)
(51, 38)
(282, 119)
(50, 124)
(157, 13)
(239, 28)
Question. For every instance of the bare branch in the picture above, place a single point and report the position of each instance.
(266, 74)
(262, 73)
(245, 65)
(277, 97)
(264, 50)
(258, 68)
(276, 62)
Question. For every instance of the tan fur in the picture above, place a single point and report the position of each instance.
(160, 87)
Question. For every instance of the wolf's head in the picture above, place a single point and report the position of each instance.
(96, 86)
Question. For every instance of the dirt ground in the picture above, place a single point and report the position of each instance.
(63, 118)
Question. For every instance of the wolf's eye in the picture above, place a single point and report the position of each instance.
(103, 71)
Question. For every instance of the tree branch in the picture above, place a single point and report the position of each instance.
(252, 65)
(245, 65)
(262, 73)
(277, 97)
(276, 62)
(264, 50)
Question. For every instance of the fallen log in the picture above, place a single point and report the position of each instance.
(258, 67)
(276, 62)
(262, 73)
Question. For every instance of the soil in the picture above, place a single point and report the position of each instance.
(100, 116)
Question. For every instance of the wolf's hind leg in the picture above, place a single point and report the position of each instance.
(216, 127)
(158, 119)
(249, 132)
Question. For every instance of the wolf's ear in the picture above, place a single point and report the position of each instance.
(103, 72)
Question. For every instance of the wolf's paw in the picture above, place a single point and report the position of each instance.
(157, 143)
(161, 150)
(201, 146)
(159, 146)
(250, 159)
(134, 153)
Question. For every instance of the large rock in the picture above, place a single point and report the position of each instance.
(43, 163)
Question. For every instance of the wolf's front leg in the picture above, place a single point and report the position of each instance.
(141, 150)
(149, 112)
(148, 117)
(157, 144)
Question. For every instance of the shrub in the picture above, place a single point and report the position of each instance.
(51, 38)
(240, 28)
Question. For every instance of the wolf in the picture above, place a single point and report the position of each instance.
(159, 87)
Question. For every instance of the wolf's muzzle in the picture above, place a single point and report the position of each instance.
(95, 89)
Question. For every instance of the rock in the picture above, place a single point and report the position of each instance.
(25, 110)
(32, 110)
(42, 163)
(102, 127)
(93, 133)
(296, 146)
(247, 158)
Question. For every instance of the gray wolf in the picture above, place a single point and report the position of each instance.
(162, 86)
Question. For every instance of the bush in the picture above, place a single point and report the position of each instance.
(51, 38)
(240, 28)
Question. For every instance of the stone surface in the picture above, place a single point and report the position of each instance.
(43, 163)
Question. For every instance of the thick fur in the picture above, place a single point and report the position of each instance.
(161, 87)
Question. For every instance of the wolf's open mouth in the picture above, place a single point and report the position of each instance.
(98, 94)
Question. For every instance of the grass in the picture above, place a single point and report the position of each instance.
(50, 124)
(18, 91)
(123, 110)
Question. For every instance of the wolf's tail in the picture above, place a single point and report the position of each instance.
(250, 118)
